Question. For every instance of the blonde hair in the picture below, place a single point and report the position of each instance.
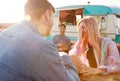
(92, 27)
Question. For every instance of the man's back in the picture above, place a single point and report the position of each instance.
(18, 49)
(26, 56)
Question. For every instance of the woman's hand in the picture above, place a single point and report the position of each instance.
(83, 35)
(85, 70)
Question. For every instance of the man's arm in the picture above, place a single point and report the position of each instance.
(49, 65)
(69, 65)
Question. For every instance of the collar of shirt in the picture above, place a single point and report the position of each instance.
(32, 26)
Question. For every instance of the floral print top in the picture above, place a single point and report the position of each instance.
(110, 59)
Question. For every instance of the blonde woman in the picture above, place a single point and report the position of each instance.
(93, 54)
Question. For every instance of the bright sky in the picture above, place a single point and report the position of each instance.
(13, 10)
(58, 3)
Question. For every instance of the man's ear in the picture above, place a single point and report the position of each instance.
(47, 15)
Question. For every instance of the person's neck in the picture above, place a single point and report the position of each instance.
(39, 27)
(61, 34)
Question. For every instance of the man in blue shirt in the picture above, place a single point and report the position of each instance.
(24, 53)
(61, 40)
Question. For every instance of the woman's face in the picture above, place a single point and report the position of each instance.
(83, 31)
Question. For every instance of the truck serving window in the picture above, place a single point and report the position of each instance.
(118, 22)
(69, 16)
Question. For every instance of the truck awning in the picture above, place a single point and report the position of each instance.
(101, 10)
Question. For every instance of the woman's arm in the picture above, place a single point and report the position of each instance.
(112, 60)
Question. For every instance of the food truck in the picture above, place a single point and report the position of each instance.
(108, 18)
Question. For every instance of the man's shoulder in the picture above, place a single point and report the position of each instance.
(44, 42)
(56, 35)
(67, 36)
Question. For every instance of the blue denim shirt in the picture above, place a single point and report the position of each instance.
(26, 56)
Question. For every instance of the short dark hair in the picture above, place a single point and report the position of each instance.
(35, 8)
(61, 24)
